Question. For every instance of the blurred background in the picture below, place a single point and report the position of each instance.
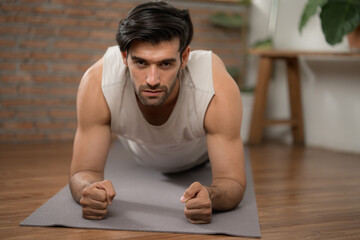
(47, 45)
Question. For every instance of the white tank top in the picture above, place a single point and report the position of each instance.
(180, 142)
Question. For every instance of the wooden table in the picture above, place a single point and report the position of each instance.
(266, 62)
(301, 193)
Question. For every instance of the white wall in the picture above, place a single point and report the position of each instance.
(330, 85)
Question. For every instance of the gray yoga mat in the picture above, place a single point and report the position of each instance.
(147, 200)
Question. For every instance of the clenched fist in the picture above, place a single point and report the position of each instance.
(95, 199)
(198, 205)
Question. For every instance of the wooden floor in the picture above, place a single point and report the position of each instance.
(302, 193)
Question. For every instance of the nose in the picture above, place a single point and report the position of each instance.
(153, 77)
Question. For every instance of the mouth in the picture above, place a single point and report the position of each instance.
(152, 93)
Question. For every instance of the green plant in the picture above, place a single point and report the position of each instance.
(338, 17)
(225, 20)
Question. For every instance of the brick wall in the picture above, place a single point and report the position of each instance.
(46, 46)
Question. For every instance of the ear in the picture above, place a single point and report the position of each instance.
(124, 57)
(185, 57)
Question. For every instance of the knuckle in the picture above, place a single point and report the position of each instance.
(197, 184)
(85, 192)
(208, 204)
(83, 202)
(103, 205)
(187, 213)
(208, 212)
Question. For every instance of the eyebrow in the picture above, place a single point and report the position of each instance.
(135, 58)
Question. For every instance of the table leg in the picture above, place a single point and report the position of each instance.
(295, 100)
(259, 106)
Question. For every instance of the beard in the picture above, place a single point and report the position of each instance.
(156, 101)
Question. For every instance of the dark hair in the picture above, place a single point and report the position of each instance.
(155, 22)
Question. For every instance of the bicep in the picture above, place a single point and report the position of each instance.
(223, 123)
(227, 157)
(93, 135)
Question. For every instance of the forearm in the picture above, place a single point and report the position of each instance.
(81, 179)
(225, 194)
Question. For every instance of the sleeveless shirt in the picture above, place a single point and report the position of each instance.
(179, 143)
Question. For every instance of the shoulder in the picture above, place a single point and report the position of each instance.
(225, 109)
(91, 80)
(224, 84)
(91, 104)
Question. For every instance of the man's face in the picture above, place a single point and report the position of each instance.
(154, 70)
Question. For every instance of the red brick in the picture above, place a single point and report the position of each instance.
(79, 12)
(47, 102)
(64, 136)
(93, 23)
(30, 136)
(32, 90)
(67, 44)
(104, 35)
(7, 113)
(7, 66)
(16, 102)
(8, 90)
(57, 79)
(5, 54)
(7, 137)
(32, 19)
(71, 125)
(13, 30)
(7, 18)
(34, 44)
(32, 1)
(67, 2)
(44, 31)
(75, 33)
(68, 67)
(63, 91)
(49, 125)
(16, 78)
(26, 114)
(45, 55)
(109, 14)
(17, 125)
(15, 8)
(7, 42)
(63, 113)
(33, 67)
(76, 56)
(122, 5)
(54, 102)
(97, 4)
(48, 10)
(96, 46)
(114, 25)
(64, 21)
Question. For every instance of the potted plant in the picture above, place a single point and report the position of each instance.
(338, 19)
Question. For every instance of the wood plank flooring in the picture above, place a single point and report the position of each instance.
(302, 193)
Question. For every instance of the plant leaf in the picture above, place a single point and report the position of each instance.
(338, 18)
(310, 9)
(225, 20)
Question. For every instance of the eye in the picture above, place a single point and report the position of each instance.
(140, 63)
(165, 64)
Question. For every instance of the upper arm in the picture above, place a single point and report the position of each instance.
(223, 124)
(92, 137)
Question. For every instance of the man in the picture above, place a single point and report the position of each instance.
(171, 108)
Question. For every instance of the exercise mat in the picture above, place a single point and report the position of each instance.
(147, 200)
